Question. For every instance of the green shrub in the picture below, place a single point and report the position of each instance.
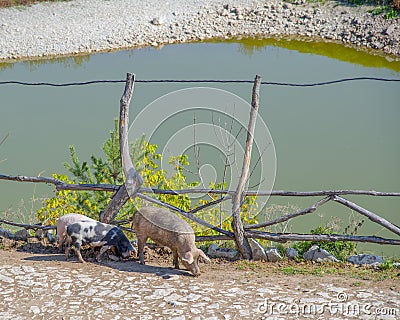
(107, 170)
(340, 249)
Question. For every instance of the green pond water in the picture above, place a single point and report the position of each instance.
(342, 136)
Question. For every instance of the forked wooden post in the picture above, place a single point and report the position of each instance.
(241, 242)
(133, 180)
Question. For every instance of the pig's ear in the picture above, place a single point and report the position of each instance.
(203, 256)
(188, 257)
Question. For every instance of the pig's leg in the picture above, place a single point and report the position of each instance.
(176, 258)
(67, 248)
(141, 239)
(60, 242)
(77, 249)
(61, 236)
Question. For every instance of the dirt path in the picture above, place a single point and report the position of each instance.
(45, 286)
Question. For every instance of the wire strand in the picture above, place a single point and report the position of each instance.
(323, 83)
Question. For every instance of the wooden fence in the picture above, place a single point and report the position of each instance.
(133, 188)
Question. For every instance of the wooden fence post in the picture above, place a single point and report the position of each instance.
(241, 242)
(133, 180)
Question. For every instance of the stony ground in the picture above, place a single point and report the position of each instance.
(37, 283)
(85, 26)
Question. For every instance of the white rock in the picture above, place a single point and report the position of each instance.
(50, 236)
(178, 318)
(195, 310)
(213, 306)
(317, 254)
(193, 297)
(34, 309)
(4, 278)
(216, 252)
(257, 250)
(173, 297)
(163, 292)
(273, 254)
(5, 233)
(291, 253)
(28, 269)
(362, 259)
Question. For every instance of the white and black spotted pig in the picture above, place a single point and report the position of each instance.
(63, 222)
(97, 234)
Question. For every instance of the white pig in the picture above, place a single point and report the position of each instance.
(64, 221)
(167, 229)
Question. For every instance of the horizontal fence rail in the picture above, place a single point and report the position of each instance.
(250, 230)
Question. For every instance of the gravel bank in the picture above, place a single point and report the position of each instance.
(85, 26)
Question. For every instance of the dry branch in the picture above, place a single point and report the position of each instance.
(289, 216)
(31, 179)
(241, 242)
(212, 238)
(133, 180)
(276, 192)
(88, 187)
(60, 185)
(370, 215)
(284, 237)
(27, 226)
(117, 201)
(209, 204)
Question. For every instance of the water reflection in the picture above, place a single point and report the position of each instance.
(364, 57)
(249, 46)
(33, 64)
